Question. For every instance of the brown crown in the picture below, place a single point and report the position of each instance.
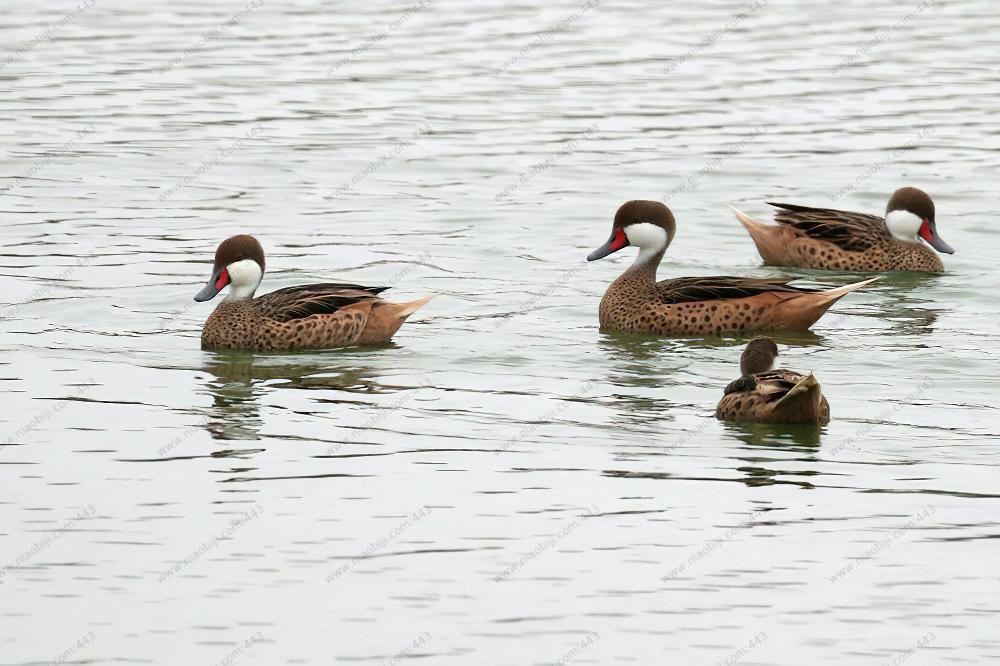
(638, 211)
(239, 248)
(758, 356)
(913, 200)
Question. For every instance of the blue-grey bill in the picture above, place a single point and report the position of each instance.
(938, 244)
(209, 291)
(601, 252)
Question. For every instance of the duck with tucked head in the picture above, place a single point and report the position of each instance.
(637, 303)
(838, 240)
(312, 316)
(766, 395)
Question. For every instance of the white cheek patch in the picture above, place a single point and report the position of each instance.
(903, 225)
(645, 234)
(651, 239)
(244, 278)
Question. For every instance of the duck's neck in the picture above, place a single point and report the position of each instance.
(645, 264)
(230, 306)
(753, 361)
(652, 241)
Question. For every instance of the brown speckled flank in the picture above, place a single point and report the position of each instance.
(827, 239)
(315, 316)
(636, 302)
(773, 396)
(240, 325)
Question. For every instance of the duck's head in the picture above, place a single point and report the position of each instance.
(759, 356)
(909, 216)
(649, 225)
(239, 262)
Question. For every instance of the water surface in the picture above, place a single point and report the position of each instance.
(504, 483)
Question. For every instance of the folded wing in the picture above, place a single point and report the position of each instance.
(853, 232)
(771, 385)
(690, 289)
(306, 300)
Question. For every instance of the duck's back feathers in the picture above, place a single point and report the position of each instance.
(775, 396)
(854, 232)
(303, 301)
(828, 239)
(745, 384)
(692, 289)
(771, 385)
(774, 385)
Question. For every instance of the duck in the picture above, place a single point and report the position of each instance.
(637, 303)
(311, 316)
(765, 395)
(828, 239)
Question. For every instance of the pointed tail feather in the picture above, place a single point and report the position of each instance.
(747, 221)
(804, 385)
(387, 318)
(831, 296)
(804, 403)
(801, 311)
(406, 309)
(769, 238)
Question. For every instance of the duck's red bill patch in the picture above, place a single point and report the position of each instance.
(223, 280)
(925, 231)
(619, 241)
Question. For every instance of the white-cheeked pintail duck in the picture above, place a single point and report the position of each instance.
(637, 303)
(766, 395)
(312, 316)
(843, 241)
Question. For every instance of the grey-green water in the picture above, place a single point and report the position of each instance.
(504, 484)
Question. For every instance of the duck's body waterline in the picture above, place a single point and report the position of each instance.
(308, 317)
(636, 302)
(765, 395)
(827, 239)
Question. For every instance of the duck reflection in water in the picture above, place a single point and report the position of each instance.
(238, 381)
(648, 364)
(899, 303)
(801, 438)
(645, 362)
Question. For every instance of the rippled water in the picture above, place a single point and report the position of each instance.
(504, 483)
